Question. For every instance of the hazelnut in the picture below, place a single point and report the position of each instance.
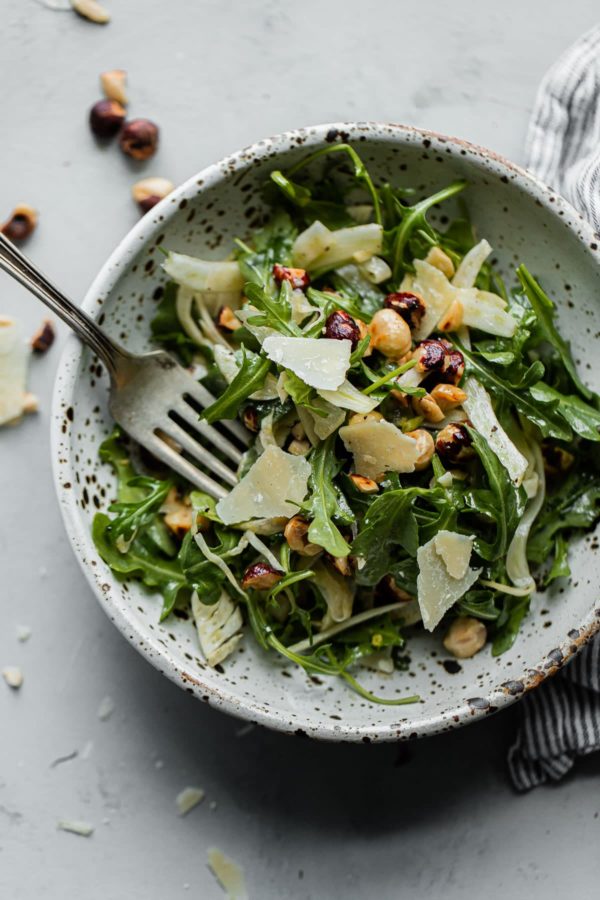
(150, 191)
(425, 447)
(342, 564)
(465, 637)
(296, 534)
(91, 10)
(390, 334)
(340, 326)
(260, 577)
(44, 337)
(298, 448)
(448, 396)
(359, 418)
(298, 278)
(139, 138)
(21, 224)
(430, 355)
(389, 590)
(454, 367)
(557, 460)
(453, 443)
(113, 85)
(428, 408)
(436, 257)
(408, 305)
(250, 419)
(227, 319)
(363, 484)
(452, 318)
(106, 118)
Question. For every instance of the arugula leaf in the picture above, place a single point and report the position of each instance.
(323, 501)
(332, 215)
(272, 244)
(508, 501)
(302, 394)
(583, 418)
(545, 416)
(139, 561)
(275, 312)
(166, 328)
(134, 514)
(250, 377)
(389, 523)
(356, 292)
(202, 575)
(545, 311)
(480, 605)
(574, 504)
(509, 622)
(560, 565)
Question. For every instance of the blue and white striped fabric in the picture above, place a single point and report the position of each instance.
(561, 720)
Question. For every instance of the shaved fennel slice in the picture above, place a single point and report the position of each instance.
(376, 270)
(318, 428)
(365, 240)
(208, 277)
(468, 268)
(517, 567)
(349, 397)
(187, 301)
(480, 411)
(310, 244)
(483, 311)
(262, 548)
(337, 591)
(219, 562)
(409, 613)
(218, 627)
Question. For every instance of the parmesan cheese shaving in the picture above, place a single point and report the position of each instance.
(479, 409)
(437, 589)
(228, 874)
(455, 551)
(83, 829)
(321, 363)
(274, 486)
(188, 798)
(13, 676)
(379, 447)
(14, 355)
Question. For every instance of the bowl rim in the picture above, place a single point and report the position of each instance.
(149, 226)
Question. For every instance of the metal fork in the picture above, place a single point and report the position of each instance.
(154, 399)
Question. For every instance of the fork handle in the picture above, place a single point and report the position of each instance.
(22, 269)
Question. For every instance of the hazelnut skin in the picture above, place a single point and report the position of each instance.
(139, 139)
(341, 326)
(106, 118)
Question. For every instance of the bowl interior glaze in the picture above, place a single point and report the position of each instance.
(524, 221)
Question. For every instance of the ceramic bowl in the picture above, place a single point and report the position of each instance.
(524, 221)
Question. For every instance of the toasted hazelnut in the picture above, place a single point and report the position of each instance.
(363, 484)
(428, 408)
(363, 331)
(340, 326)
(296, 534)
(113, 85)
(436, 257)
(430, 355)
(139, 138)
(388, 588)
(425, 447)
(465, 637)
(390, 334)
(298, 448)
(92, 11)
(453, 443)
(298, 278)
(44, 337)
(227, 319)
(31, 404)
(342, 564)
(557, 460)
(21, 224)
(106, 118)
(298, 431)
(260, 576)
(452, 318)
(178, 515)
(250, 419)
(408, 305)
(359, 418)
(454, 367)
(448, 396)
(150, 191)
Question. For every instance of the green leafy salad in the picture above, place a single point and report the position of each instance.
(421, 443)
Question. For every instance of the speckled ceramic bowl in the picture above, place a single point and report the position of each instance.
(523, 220)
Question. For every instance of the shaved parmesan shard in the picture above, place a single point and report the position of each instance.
(83, 829)
(366, 240)
(13, 676)
(218, 627)
(349, 397)
(455, 550)
(228, 874)
(274, 486)
(310, 244)
(320, 362)
(203, 275)
(478, 407)
(437, 589)
(378, 447)
(14, 355)
(471, 263)
(188, 798)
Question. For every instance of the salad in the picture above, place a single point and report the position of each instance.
(423, 448)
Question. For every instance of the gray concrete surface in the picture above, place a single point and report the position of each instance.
(436, 819)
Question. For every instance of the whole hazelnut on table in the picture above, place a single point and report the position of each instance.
(21, 224)
(106, 118)
(113, 85)
(150, 191)
(139, 139)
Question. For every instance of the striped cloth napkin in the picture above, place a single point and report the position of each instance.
(561, 720)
